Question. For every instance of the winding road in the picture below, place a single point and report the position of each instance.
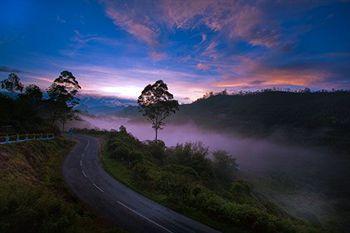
(131, 211)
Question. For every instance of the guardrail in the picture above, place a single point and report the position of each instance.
(16, 138)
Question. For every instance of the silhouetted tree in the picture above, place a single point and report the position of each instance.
(12, 83)
(157, 103)
(122, 129)
(208, 95)
(62, 97)
(33, 93)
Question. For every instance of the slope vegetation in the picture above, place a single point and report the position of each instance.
(33, 196)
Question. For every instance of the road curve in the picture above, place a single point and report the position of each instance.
(133, 212)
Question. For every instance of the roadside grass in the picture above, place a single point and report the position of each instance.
(33, 195)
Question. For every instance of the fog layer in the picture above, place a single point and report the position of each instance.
(308, 183)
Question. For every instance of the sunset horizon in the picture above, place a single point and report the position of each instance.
(115, 48)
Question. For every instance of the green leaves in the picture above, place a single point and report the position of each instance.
(157, 103)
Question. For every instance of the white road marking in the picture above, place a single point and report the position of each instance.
(84, 174)
(150, 220)
(87, 145)
(98, 187)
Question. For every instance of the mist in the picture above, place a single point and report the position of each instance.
(308, 183)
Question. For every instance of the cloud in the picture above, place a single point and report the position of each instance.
(249, 73)
(275, 78)
(42, 80)
(237, 20)
(203, 67)
(181, 14)
(79, 41)
(138, 25)
(7, 69)
(255, 72)
(211, 51)
(60, 19)
(10, 69)
(157, 56)
(233, 19)
(204, 37)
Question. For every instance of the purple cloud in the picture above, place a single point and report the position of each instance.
(236, 20)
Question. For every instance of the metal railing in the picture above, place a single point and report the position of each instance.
(16, 138)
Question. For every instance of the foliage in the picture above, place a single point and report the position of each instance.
(62, 97)
(157, 103)
(224, 166)
(12, 83)
(186, 179)
(23, 114)
(33, 94)
(30, 112)
(64, 88)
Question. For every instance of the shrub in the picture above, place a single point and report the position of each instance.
(156, 150)
(224, 166)
(184, 170)
(195, 156)
(121, 152)
(240, 188)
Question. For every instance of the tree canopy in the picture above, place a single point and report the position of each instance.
(12, 83)
(29, 111)
(64, 88)
(157, 103)
(33, 93)
(62, 97)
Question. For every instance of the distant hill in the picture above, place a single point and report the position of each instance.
(103, 105)
(300, 116)
(92, 104)
(270, 109)
(8, 94)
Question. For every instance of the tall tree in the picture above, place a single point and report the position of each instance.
(157, 103)
(33, 94)
(62, 97)
(12, 83)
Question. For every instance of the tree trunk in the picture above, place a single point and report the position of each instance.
(156, 129)
(63, 127)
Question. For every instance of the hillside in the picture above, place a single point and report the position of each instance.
(101, 105)
(309, 117)
(33, 196)
(321, 118)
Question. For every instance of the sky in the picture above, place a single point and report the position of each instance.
(118, 47)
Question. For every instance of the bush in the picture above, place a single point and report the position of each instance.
(156, 150)
(195, 156)
(121, 152)
(240, 188)
(224, 166)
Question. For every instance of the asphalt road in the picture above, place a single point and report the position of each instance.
(85, 176)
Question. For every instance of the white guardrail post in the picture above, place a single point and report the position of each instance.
(40, 137)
